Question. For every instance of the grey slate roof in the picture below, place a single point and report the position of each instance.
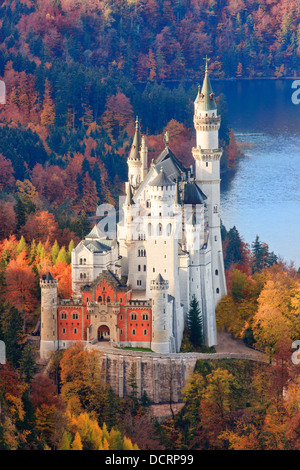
(162, 179)
(95, 246)
(206, 98)
(192, 194)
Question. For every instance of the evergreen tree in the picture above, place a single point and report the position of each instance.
(54, 252)
(62, 255)
(194, 323)
(11, 330)
(21, 245)
(96, 176)
(27, 363)
(233, 251)
(70, 249)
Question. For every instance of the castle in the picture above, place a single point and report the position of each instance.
(135, 290)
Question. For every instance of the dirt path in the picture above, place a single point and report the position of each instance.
(228, 344)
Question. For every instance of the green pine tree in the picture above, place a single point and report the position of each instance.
(21, 245)
(54, 252)
(62, 255)
(194, 323)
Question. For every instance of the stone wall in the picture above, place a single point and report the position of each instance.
(161, 376)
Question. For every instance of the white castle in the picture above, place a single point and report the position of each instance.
(168, 244)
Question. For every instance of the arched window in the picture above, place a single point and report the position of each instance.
(80, 261)
(159, 230)
(108, 299)
(216, 272)
(100, 298)
(169, 229)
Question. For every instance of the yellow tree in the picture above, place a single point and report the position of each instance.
(278, 312)
(48, 110)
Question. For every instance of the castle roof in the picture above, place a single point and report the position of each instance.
(206, 99)
(136, 144)
(47, 277)
(169, 162)
(162, 179)
(95, 246)
(159, 279)
(94, 233)
(192, 194)
(129, 196)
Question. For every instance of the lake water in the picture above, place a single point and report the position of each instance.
(263, 198)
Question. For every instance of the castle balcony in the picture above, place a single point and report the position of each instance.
(202, 120)
(207, 155)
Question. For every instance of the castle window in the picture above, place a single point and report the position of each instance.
(138, 282)
(133, 332)
(145, 332)
(80, 261)
(63, 316)
(121, 332)
(108, 299)
(169, 229)
(121, 300)
(84, 261)
(206, 164)
(144, 267)
(216, 272)
(216, 239)
(154, 270)
(159, 229)
(145, 317)
(121, 317)
(217, 290)
(139, 267)
(87, 317)
(100, 298)
(75, 316)
(133, 316)
(63, 331)
(75, 331)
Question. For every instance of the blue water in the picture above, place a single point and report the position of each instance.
(263, 198)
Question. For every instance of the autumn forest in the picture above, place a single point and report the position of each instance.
(77, 73)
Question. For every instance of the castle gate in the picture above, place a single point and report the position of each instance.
(103, 333)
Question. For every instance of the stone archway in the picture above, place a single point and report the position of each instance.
(103, 333)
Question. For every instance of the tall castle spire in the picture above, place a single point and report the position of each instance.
(207, 155)
(134, 162)
(206, 99)
(136, 144)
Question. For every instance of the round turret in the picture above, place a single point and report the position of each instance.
(48, 335)
(160, 324)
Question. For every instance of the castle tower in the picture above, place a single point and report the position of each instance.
(144, 158)
(160, 319)
(134, 162)
(49, 333)
(207, 155)
(162, 245)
